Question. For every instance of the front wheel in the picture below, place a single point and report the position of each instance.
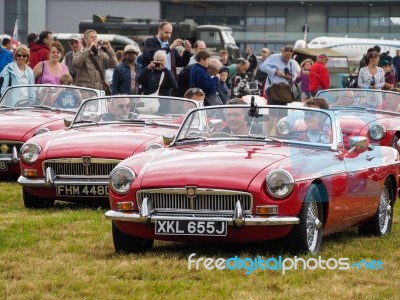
(381, 223)
(31, 201)
(129, 244)
(307, 235)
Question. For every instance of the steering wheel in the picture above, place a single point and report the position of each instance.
(26, 102)
(110, 117)
(220, 134)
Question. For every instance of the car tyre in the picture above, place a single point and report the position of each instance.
(307, 235)
(129, 244)
(31, 201)
(381, 223)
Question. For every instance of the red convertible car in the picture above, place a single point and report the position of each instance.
(237, 173)
(74, 164)
(28, 110)
(371, 113)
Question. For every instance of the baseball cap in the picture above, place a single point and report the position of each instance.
(322, 55)
(74, 37)
(131, 48)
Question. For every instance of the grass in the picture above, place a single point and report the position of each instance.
(67, 253)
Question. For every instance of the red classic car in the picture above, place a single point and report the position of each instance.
(74, 164)
(238, 173)
(371, 113)
(29, 110)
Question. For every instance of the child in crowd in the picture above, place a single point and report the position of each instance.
(390, 77)
(304, 79)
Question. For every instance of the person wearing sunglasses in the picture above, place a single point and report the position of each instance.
(121, 107)
(75, 42)
(18, 72)
(317, 129)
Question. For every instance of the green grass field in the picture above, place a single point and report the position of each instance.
(67, 253)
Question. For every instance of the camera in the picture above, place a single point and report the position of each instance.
(243, 86)
(287, 71)
(100, 43)
(157, 64)
(373, 81)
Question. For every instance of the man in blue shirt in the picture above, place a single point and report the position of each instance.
(5, 55)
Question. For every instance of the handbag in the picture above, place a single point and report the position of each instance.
(281, 92)
(159, 84)
(151, 105)
(106, 87)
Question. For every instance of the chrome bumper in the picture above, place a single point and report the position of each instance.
(11, 158)
(147, 215)
(49, 181)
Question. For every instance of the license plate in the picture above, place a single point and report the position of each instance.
(185, 227)
(3, 166)
(82, 190)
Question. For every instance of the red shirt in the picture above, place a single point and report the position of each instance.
(319, 77)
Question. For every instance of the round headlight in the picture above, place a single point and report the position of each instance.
(284, 127)
(41, 130)
(30, 153)
(121, 179)
(279, 183)
(154, 147)
(377, 132)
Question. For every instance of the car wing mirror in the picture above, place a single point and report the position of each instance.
(67, 121)
(168, 138)
(358, 144)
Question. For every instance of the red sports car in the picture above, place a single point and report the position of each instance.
(28, 110)
(371, 113)
(240, 173)
(74, 164)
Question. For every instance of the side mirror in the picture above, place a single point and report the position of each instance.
(168, 138)
(358, 144)
(67, 121)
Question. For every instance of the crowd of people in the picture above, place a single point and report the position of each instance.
(170, 67)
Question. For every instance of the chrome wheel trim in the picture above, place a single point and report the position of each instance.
(313, 225)
(384, 211)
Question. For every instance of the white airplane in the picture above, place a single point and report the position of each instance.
(353, 48)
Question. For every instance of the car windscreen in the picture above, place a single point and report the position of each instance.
(52, 96)
(370, 99)
(133, 108)
(242, 122)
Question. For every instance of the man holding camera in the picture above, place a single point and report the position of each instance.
(91, 63)
(160, 42)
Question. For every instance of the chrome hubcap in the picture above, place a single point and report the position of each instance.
(313, 226)
(385, 211)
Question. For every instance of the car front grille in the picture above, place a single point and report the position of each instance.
(6, 147)
(81, 167)
(204, 200)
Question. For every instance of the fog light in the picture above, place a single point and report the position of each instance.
(4, 148)
(267, 210)
(30, 173)
(125, 206)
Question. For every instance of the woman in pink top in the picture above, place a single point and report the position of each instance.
(51, 70)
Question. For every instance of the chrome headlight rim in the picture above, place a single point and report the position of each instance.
(34, 155)
(284, 127)
(377, 132)
(154, 146)
(283, 174)
(130, 177)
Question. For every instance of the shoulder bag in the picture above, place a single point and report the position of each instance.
(151, 105)
(106, 87)
(281, 92)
